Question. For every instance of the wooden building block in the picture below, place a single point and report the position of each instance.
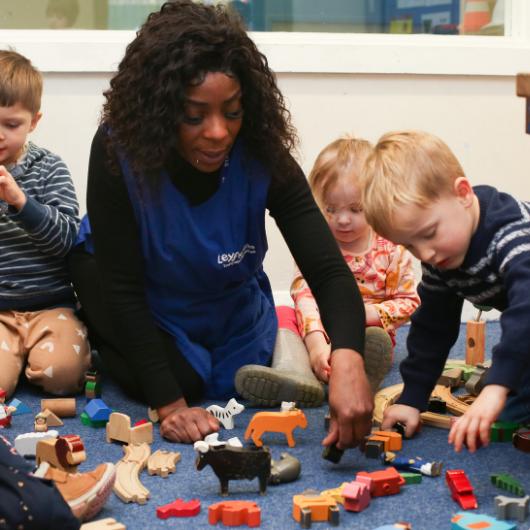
(62, 407)
(475, 342)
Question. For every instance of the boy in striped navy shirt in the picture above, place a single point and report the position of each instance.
(38, 226)
(474, 244)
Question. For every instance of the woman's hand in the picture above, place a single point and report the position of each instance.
(180, 423)
(408, 416)
(473, 428)
(350, 400)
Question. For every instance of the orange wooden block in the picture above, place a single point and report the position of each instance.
(235, 513)
(475, 342)
(307, 508)
(395, 440)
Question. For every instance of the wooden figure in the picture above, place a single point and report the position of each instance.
(119, 429)
(128, 486)
(5, 410)
(473, 521)
(335, 493)
(64, 452)
(40, 424)
(285, 470)
(235, 513)
(179, 508)
(385, 482)
(62, 407)
(226, 414)
(284, 422)
(163, 463)
(314, 508)
(26, 444)
(512, 507)
(356, 496)
(461, 489)
(235, 463)
(52, 420)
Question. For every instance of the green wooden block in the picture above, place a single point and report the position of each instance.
(411, 478)
(502, 431)
(85, 420)
(507, 482)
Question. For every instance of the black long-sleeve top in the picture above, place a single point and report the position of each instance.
(120, 263)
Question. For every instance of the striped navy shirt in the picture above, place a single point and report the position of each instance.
(495, 272)
(35, 240)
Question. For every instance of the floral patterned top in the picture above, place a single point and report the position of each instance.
(385, 278)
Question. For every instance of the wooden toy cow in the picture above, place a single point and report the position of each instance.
(235, 463)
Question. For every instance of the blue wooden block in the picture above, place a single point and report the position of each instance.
(22, 408)
(97, 410)
(467, 521)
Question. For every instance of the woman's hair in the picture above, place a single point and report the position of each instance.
(175, 48)
(20, 82)
(342, 158)
(406, 167)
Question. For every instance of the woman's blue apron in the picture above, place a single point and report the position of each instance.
(204, 270)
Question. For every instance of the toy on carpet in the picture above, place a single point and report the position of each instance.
(415, 465)
(103, 524)
(226, 414)
(473, 521)
(128, 486)
(512, 507)
(385, 482)
(476, 338)
(96, 413)
(40, 423)
(503, 431)
(396, 526)
(235, 463)
(356, 496)
(52, 420)
(119, 429)
(461, 489)
(26, 444)
(64, 452)
(92, 385)
(20, 408)
(235, 513)
(521, 440)
(179, 508)
(284, 422)
(286, 469)
(335, 493)
(315, 508)
(163, 462)
(62, 407)
(507, 482)
(6, 411)
(213, 440)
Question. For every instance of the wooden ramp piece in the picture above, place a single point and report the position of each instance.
(163, 462)
(128, 486)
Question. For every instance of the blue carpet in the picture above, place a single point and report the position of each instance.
(427, 505)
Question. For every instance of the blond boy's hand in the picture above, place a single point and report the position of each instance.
(408, 416)
(319, 354)
(475, 425)
(10, 192)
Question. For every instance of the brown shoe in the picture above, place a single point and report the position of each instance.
(85, 493)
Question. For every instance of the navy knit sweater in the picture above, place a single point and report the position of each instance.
(495, 272)
(35, 240)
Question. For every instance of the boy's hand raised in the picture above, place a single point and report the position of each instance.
(409, 416)
(473, 428)
(10, 191)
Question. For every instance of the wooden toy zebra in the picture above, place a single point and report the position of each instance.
(226, 415)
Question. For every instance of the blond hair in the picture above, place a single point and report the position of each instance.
(342, 158)
(406, 167)
(20, 82)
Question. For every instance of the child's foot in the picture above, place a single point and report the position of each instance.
(377, 355)
(85, 493)
(268, 387)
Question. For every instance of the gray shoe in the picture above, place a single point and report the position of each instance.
(268, 387)
(289, 379)
(377, 355)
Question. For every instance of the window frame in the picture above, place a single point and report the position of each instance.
(299, 52)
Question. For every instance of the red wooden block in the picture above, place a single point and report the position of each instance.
(385, 482)
(461, 489)
(179, 508)
(235, 513)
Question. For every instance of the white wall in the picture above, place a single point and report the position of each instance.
(480, 118)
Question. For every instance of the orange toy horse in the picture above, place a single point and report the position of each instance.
(284, 422)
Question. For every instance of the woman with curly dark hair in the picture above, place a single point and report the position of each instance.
(194, 146)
